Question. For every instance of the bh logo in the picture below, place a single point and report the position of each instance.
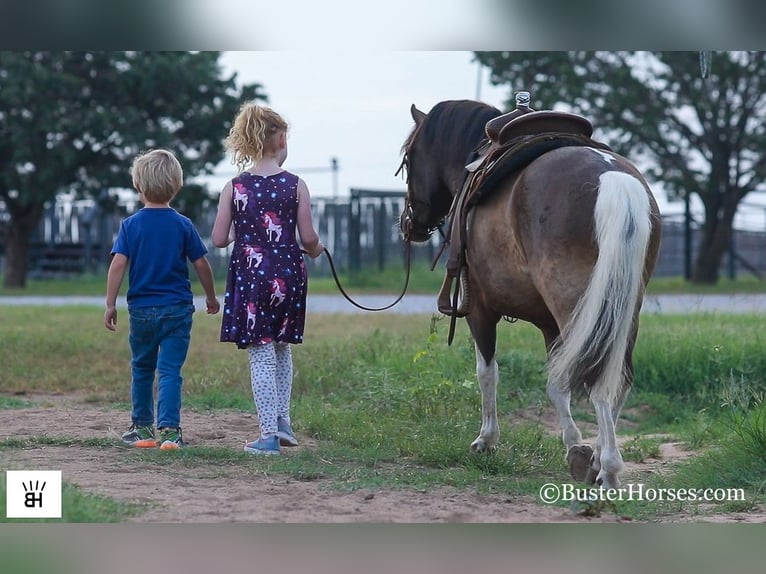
(33, 494)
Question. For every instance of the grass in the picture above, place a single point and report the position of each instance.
(390, 404)
(371, 280)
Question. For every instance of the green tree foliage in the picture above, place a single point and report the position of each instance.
(697, 135)
(73, 121)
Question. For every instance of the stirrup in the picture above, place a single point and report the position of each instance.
(444, 300)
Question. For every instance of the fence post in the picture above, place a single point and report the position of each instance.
(687, 237)
(380, 234)
(354, 227)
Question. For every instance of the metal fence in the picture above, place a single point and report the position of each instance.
(361, 232)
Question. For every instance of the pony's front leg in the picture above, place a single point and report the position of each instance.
(486, 373)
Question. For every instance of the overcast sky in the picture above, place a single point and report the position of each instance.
(354, 106)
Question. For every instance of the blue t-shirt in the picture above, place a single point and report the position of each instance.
(157, 243)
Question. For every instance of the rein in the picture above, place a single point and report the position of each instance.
(407, 257)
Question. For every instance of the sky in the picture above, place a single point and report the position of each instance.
(354, 106)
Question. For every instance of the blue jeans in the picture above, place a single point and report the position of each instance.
(159, 341)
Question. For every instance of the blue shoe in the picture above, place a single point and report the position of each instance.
(285, 433)
(266, 446)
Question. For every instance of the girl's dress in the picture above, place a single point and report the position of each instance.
(266, 284)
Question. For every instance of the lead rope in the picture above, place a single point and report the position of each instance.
(360, 306)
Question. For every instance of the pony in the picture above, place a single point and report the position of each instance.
(567, 243)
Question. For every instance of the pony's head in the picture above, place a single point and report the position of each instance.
(433, 159)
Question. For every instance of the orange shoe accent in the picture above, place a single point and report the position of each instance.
(169, 446)
(145, 443)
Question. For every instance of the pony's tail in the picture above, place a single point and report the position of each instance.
(589, 356)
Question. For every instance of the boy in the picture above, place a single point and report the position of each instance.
(155, 243)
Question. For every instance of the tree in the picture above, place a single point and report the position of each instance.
(73, 121)
(704, 136)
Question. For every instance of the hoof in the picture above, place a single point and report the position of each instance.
(590, 477)
(480, 445)
(579, 459)
(606, 480)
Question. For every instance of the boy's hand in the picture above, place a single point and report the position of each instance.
(110, 318)
(213, 306)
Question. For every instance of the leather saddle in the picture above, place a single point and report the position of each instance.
(513, 141)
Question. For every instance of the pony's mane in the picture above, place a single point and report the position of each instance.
(456, 123)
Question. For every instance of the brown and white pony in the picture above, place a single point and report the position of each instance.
(568, 244)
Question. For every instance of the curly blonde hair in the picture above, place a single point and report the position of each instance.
(249, 136)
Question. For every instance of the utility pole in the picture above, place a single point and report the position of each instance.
(333, 167)
(334, 164)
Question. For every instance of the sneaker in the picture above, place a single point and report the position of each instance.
(264, 445)
(285, 433)
(140, 436)
(170, 439)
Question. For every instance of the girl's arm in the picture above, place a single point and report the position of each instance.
(308, 235)
(222, 232)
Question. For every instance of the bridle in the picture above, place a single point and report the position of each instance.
(408, 213)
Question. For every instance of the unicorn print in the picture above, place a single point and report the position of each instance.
(251, 316)
(277, 291)
(273, 226)
(283, 330)
(240, 197)
(254, 255)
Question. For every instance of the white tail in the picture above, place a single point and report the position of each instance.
(590, 354)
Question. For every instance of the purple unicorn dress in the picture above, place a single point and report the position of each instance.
(266, 284)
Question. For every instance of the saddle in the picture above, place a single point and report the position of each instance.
(513, 141)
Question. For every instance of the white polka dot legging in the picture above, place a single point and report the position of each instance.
(271, 377)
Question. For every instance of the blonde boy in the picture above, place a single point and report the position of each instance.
(154, 245)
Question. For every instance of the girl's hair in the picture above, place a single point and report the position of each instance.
(157, 174)
(248, 137)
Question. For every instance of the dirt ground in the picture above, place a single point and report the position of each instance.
(240, 495)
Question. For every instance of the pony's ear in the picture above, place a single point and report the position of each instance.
(417, 115)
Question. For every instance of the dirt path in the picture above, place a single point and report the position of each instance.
(241, 494)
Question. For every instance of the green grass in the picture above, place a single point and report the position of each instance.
(391, 405)
(14, 403)
(678, 285)
(371, 280)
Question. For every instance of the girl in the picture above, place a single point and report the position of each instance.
(265, 300)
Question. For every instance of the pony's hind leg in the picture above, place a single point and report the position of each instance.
(607, 458)
(486, 374)
(579, 456)
(612, 456)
